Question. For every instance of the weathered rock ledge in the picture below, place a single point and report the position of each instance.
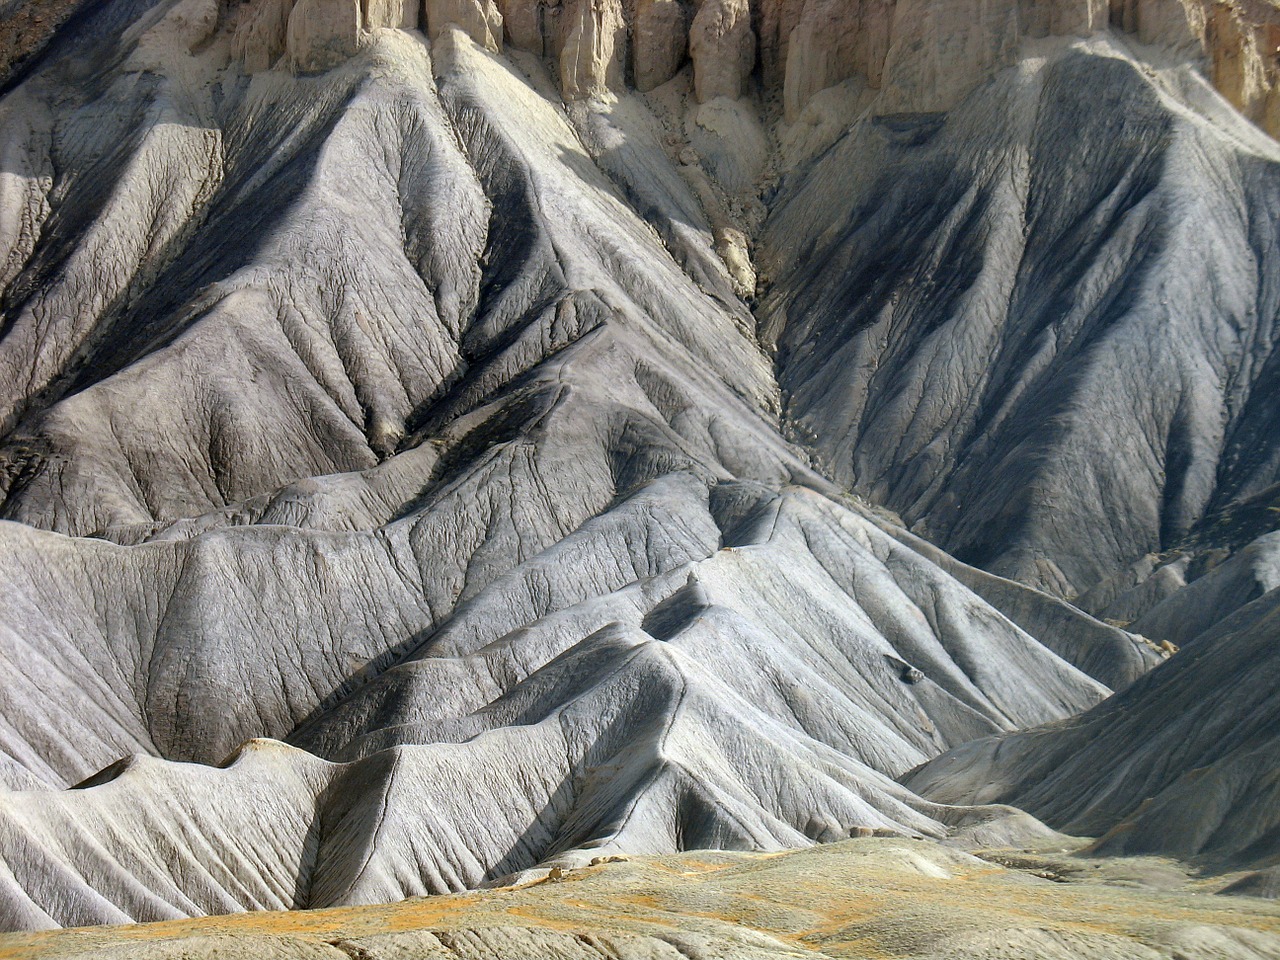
(921, 55)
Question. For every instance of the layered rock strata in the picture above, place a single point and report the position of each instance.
(919, 55)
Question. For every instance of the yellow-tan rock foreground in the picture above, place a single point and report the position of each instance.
(873, 897)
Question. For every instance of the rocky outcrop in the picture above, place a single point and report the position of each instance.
(528, 24)
(405, 412)
(1239, 41)
(410, 431)
(395, 14)
(661, 42)
(833, 41)
(318, 35)
(723, 47)
(1178, 24)
(481, 20)
(919, 55)
(1243, 41)
(593, 55)
(261, 32)
(940, 50)
(322, 33)
(926, 54)
(185, 27)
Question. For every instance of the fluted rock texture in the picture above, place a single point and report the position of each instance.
(473, 436)
(1182, 762)
(919, 55)
(1099, 403)
(924, 54)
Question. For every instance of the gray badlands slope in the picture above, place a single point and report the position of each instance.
(400, 398)
(1058, 357)
(1182, 762)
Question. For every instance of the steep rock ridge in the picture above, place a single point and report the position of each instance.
(1181, 763)
(723, 49)
(1023, 359)
(635, 738)
(644, 699)
(361, 392)
(908, 57)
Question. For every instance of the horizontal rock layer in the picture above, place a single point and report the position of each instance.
(920, 55)
(924, 55)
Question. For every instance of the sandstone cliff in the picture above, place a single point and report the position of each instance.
(917, 55)
(923, 54)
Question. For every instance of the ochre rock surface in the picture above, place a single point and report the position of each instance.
(661, 42)
(322, 33)
(594, 47)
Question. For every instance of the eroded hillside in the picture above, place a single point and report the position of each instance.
(463, 424)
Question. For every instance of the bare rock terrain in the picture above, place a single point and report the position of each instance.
(442, 442)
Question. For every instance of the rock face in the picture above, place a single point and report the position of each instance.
(478, 19)
(661, 44)
(395, 14)
(922, 55)
(723, 48)
(363, 400)
(939, 51)
(322, 33)
(594, 50)
(261, 33)
(1243, 42)
(1011, 426)
(832, 42)
(1182, 762)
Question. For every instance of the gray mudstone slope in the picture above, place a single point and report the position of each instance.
(1041, 326)
(1182, 762)
(407, 426)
